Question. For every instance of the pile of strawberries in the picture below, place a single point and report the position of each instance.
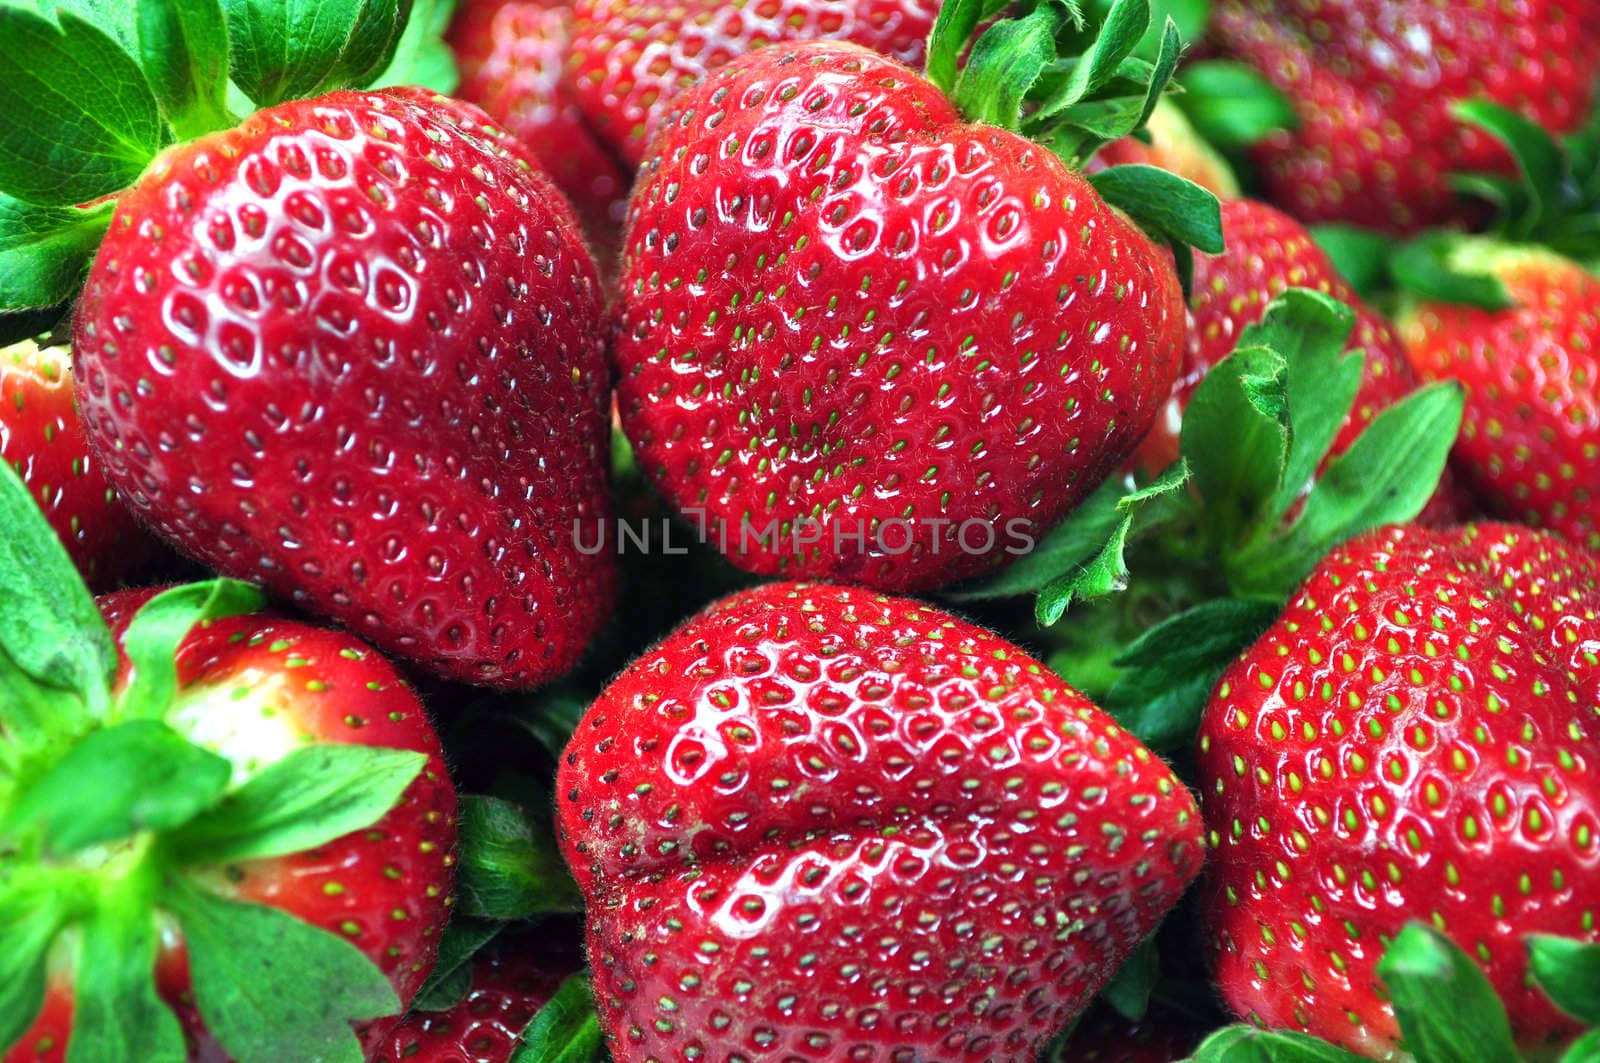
(799, 530)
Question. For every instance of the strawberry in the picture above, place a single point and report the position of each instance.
(817, 823)
(1374, 82)
(241, 818)
(511, 980)
(1267, 253)
(335, 261)
(42, 438)
(1530, 361)
(629, 58)
(1415, 738)
(512, 54)
(861, 338)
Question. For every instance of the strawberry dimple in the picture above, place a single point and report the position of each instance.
(817, 824)
(1403, 745)
(351, 350)
(843, 306)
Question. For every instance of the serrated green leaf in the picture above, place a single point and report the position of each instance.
(952, 32)
(1568, 971)
(117, 19)
(282, 49)
(422, 57)
(114, 783)
(508, 869)
(1235, 436)
(117, 1017)
(1004, 65)
(272, 988)
(451, 978)
(1231, 105)
(1066, 546)
(183, 47)
(372, 43)
(1247, 1044)
(312, 796)
(566, 1030)
(157, 630)
(1116, 35)
(45, 251)
(1447, 1010)
(1165, 205)
(81, 121)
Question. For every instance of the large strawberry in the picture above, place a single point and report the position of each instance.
(42, 438)
(1529, 356)
(512, 55)
(815, 823)
(1374, 82)
(1414, 739)
(629, 58)
(863, 338)
(241, 819)
(349, 346)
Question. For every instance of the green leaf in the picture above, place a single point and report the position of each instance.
(952, 32)
(272, 988)
(157, 630)
(45, 251)
(1188, 16)
(1361, 256)
(1386, 477)
(29, 921)
(1165, 205)
(117, 1016)
(507, 869)
(1068, 545)
(1106, 571)
(116, 782)
(1115, 37)
(1424, 267)
(312, 796)
(1246, 1044)
(422, 57)
(1585, 1049)
(115, 18)
(51, 632)
(1448, 1011)
(552, 716)
(1128, 992)
(1005, 63)
(283, 49)
(183, 47)
(81, 121)
(1231, 105)
(566, 1030)
(451, 978)
(371, 45)
(1569, 973)
(1535, 151)
(1235, 435)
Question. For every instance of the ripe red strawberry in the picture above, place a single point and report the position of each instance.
(351, 348)
(897, 343)
(629, 58)
(816, 823)
(42, 438)
(511, 980)
(1373, 81)
(1415, 738)
(1268, 252)
(512, 55)
(1530, 436)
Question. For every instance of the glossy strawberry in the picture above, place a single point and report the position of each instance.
(42, 437)
(1268, 252)
(819, 824)
(860, 338)
(1415, 738)
(351, 348)
(1373, 81)
(1530, 437)
(511, 980)
(512, 55)
(629, 58)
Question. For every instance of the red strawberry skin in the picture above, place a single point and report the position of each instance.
(351, 350)
(1372, 83)
(252, 688)
(511, 980)
(930, 338)
(818, 824)
(1415, 738)
(1267, 253)
(42, 437)
(629, 58)
(512, 56)
(1530, 434)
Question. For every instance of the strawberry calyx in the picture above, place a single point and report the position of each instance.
(1073, 84)
(91, 94)
(116, 818)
